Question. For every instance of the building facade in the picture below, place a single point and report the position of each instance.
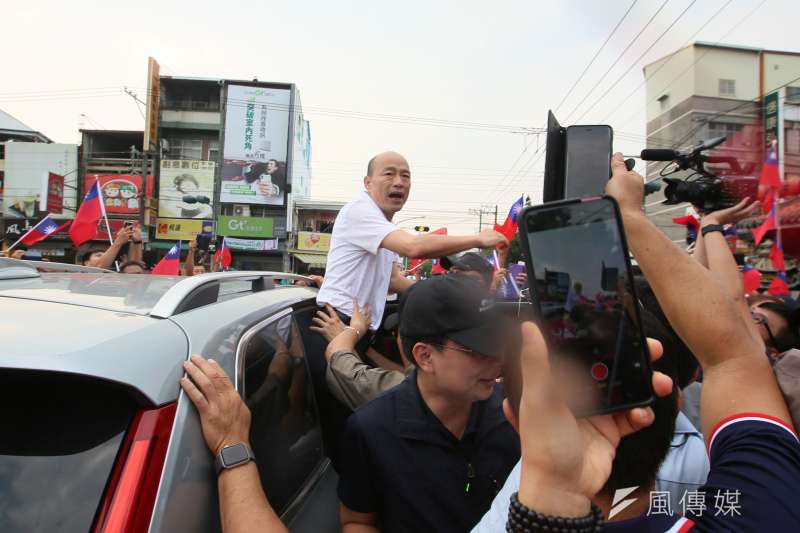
(312, 235)
(231, 157)
(707, 90)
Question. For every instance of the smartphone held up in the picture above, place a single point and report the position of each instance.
(580, 278)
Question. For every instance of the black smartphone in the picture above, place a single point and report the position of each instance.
(587, 160)
(203, 241)
(582, 286)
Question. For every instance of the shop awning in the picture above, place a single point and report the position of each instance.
(312, 260)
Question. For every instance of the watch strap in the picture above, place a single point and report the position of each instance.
(712, 228)
(219, 461)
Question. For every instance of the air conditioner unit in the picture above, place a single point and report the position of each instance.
(241, 210)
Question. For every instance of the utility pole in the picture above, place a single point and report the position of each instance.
(484, 210)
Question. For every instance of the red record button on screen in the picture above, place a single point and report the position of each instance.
(599, 371)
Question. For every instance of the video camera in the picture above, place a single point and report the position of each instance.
(703, 189)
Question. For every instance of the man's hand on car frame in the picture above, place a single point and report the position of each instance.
(223, 414)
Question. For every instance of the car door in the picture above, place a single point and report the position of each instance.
(285, 432)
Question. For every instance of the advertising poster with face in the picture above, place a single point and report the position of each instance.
(186, 189)
(256, 143)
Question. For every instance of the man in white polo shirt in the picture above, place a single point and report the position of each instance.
(366, 245)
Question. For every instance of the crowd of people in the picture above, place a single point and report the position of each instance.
(462, 425)
(124, 254)
(472, 432)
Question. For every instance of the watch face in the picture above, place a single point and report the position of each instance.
(233, 455)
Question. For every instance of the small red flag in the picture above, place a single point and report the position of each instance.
(751, 280)
(170, 265)
(779, 287)
(770, 171)
(222, 257)
(776, 256)
(769, 224)
(687, 220)
(84, 227)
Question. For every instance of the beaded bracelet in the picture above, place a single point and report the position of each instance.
(523, 520)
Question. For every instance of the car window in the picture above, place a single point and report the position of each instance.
(284, 431)
(62, 434)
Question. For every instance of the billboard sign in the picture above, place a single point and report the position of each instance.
(121, 192)
(55, 193)
(256, 145)
(313, 242)
(27, 166)
(251, 245)
(181, 229)
(186, 189)
(245, 227)
(773, 125)
(151, 119)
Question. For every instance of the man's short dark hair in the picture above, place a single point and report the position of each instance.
(685, 362)
(640, 454)
(132, 263)
(371, 166)
(90, 248)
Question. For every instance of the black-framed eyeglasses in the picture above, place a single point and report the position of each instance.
(459, 348)
(762, 320)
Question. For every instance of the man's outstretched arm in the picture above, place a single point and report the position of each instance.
(408, 245)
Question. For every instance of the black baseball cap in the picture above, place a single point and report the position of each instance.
(470, 262)
(458, 308)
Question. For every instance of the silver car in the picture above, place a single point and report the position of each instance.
(97, 435)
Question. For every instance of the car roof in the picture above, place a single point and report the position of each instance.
(107, 325)
(140, 294)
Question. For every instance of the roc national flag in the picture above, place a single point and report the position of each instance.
(84, 227)
(170, 265)
(43, 229)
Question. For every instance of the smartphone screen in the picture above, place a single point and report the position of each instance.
(579, 272)
(587, 166)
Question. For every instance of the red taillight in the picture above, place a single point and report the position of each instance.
(127, 504)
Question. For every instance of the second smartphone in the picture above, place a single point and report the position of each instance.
(580, 278)
(587, 160)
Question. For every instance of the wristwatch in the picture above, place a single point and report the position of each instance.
(712, 228)
(232, 456)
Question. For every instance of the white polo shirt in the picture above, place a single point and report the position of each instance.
(358, 268)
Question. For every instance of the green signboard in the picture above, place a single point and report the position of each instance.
(245, 227)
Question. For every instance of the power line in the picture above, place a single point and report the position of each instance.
(603, 77)
(679, 76)
(671, 56)
(619, 78)
(591, 61)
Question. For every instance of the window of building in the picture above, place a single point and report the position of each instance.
(727, 87)
(185, 148)
(793, 94)
(720, 129)
(213, 150)
(284, 432)
(793, 141)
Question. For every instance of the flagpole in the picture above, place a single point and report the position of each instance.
(105, 217)
(28, 233)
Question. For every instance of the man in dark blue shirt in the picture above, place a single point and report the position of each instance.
(430, 454)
